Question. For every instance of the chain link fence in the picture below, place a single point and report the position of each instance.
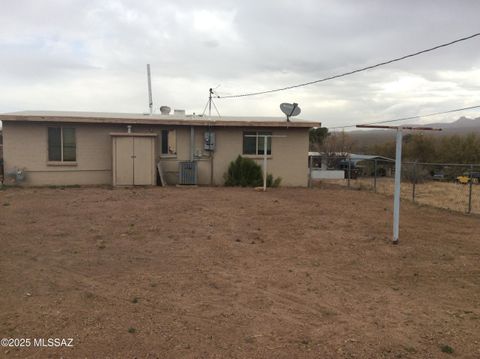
(451, 186)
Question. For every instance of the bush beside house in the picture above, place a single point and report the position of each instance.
(245, 172)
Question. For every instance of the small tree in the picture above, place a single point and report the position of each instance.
(243, 172)
(271, 182)
(339, 143)
(317, 137)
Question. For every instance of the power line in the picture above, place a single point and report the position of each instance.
(353, 71)
(409, 118)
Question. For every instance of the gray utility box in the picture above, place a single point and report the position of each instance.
(209, 141)
(187, 173)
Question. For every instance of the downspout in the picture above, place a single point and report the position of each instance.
(211, 154)
(192, 143)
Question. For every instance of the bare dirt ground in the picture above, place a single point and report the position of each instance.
(234, 273)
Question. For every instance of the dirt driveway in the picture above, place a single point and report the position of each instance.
(234, 273)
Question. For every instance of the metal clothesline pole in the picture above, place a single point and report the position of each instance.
(265, 163)
(265, 155)
(398, 170)
(396, 197)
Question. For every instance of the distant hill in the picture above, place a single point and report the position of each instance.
(463, 123)
(462, 126)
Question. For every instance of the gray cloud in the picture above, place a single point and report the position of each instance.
(91, 55)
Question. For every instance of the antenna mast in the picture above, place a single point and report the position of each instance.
(210, 92)
(150, 101)
(210, 103)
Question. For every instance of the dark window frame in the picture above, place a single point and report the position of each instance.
(62, 145)
(166, 149)
(259, 138)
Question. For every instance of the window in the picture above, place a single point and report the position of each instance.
(61, 144)
(169, 142)
(253, 142)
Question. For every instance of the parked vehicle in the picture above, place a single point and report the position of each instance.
(439, 177)
(465, 178)
(354, 170)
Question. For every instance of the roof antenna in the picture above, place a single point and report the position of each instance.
(150, 101)
(211, 94)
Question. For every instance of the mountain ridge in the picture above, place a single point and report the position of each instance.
(461, 126)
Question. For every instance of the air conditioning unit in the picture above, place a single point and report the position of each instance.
(187, 173)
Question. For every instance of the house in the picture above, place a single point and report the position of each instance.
(1, 156)
(337, 164)
(80, 148)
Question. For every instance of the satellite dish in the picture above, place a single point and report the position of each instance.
(290, 109)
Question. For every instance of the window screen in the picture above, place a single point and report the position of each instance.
(253, 143)
(261, 145)
(164, 142)
(69, 146)
(249, 143)
(54, 144)
(61, 144)
(169, 142)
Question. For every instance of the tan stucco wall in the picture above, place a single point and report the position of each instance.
(288, 159)
(25, 146)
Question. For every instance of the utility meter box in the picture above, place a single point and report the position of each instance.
(209, 141)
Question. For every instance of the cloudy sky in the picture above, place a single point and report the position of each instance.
(87, 55)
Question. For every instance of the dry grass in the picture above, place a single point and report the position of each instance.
(446, 195)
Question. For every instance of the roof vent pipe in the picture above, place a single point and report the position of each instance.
(165, 110)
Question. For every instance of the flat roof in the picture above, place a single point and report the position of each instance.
(359, 158)
(353, 156)
(155, 119)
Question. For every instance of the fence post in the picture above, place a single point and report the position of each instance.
(310, 164)
(414, 180)
(375, 176)
(349, 170)
(470, 184)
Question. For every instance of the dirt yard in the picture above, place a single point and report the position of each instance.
(234, 273)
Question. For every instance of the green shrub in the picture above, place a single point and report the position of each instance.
(273, 182)
(245, 172)
(446, 349)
